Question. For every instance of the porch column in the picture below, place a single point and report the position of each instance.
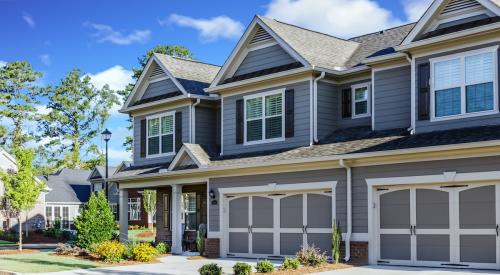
(177, 219)
(123, 215)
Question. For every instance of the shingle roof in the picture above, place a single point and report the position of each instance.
(69, 185)
(267, 71)
(136, 170)
(193, 75)
(102, 170)
(156, 98)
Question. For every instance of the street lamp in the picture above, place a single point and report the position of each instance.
(106, 136)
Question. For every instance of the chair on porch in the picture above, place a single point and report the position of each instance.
(187, 240)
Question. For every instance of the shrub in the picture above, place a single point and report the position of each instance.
(264, 266)
(290, 263)
(163, 248)
(311, 256)
(110, 251)
(68, 249)
(144, 252)
(210, 269)
(200, 238)
(95, 223)
(336, 242)
(242, 269)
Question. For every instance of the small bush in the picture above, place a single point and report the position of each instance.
(144, 252)
(311, 256)
(110, 251)
(68, 249)
(210, 269)
(163, 248)
(290, 263)
(242, 269)
(264, 266)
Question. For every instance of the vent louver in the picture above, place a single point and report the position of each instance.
(260, 36)
(455, 5)
(157, 71)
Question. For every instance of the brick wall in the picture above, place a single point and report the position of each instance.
(359, 251)
(212, 248)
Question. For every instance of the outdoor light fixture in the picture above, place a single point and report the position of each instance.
(212, 194)
(106, 136)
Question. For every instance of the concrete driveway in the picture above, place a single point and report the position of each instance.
(180, 265)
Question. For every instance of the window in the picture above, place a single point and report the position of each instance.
(464, 84)
(48, 216)
(65, 217)
(114, 209)
(160, 135)
(134, 209)
(166, 212)
(361, 100)
(264, 119)
(190, 203)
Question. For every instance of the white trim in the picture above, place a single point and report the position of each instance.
(263, 96)
(463, 84)
(157, 78)
(273, 187)
(182, 152)
(376, 59)
(159, 117)
(372, 95)
(447, 49)
(368, 100)
(445, 177)
(413, 95)
(221, 126)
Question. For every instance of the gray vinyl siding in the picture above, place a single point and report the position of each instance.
(392, 98)
(328, 109)
(264, 58)
(137, 137)
(428, 126)
(205, 125)
(301, 122)
(351, 122)
(160, 88)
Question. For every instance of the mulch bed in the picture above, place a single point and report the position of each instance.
(197, 258)
(309, 269)
(41, 238)
(15, 251)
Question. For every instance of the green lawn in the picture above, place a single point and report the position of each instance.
(42, 262)
(132, 236)
(5, 243)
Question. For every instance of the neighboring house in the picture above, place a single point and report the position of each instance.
(393, 134)
(69, 190)
(35, 216)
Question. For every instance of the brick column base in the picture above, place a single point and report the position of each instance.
(359, 251)
(212, 248)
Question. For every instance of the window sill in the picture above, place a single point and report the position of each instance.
(453, 117)
(256, 142)
(160, 155)
(360, 116)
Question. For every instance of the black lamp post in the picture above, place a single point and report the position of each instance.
(106, 136)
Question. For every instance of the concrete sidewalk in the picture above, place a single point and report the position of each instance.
(402, 270)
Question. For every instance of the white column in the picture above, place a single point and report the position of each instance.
(177, 219)
(123, 215)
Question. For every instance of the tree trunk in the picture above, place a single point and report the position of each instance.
(20, 232)
(26, 225)
(150, 222)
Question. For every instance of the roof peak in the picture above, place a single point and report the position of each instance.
(187, 59)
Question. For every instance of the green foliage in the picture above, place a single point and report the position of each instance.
(95, 223)
(200, 238)
(311, 256)
(144, 252)
(55, 231)
(149, 203)
(336, 241)
(110, 251)
(290, 263)
(163, 248)
(77, 113)
(242, 269)
(264, 266)
(210, 269)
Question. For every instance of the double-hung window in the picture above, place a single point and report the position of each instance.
(464, 84)
(264, 119)
(161, 135)
(190, 205)
(361, 100)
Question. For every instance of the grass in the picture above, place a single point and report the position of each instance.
(6, 243)
(43, 262)
(132, 236)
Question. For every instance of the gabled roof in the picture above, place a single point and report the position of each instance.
(189, 155)
(68, 186)
(99, 172)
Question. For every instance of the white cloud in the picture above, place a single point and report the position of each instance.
(3, 63)
(343, 18)
(105, 33)
(414, 9)
(119, 154)
(29, 20)
(45, 58)
(210, 29)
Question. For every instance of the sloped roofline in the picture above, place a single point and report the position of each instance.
(185, 150)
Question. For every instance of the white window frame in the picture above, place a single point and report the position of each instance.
(159, 116)
(368, 100)
(263, 96)
(53, 216)
(138, 202)
(463, 103)
(185, 211)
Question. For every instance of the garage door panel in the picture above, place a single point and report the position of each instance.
(262, 243)
(323, 241)
(238, 213)
(395, 246)
(474, 201)
(319, 211)
(395, 209)
(262, 212)
(291, 212)
(478, 248)
(433, 209)
(290, 243)
(238, 242)
(433, 248)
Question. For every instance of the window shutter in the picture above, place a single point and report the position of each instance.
(178, 131)
(289, 112)
(346, 103)
(424, 91)
(239, 121)
(143, 138)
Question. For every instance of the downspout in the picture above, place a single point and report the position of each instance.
(192, 138)
(311, 112)
(410, 59)
(315, 99)
(348, 234)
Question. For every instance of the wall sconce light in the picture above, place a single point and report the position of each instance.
(212, 194)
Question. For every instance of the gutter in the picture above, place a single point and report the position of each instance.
(315, 106)
(347, 239)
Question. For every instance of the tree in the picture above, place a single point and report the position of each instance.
(77, 113)
(149, 202)
(173, 50)
(95, 223)
(18, 100)
(21, 188)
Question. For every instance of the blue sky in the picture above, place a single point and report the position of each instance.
(104, 38)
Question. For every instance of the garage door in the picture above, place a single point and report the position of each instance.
(446, 226)
(277, 225)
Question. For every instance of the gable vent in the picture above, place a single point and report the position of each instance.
(260, 36)
(455, 5)
(157, 71)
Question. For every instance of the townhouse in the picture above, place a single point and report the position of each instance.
(393, 134)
